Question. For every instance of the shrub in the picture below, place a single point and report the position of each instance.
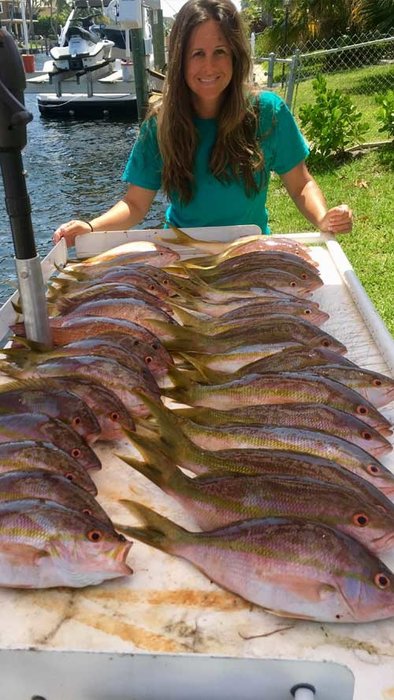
(386, 112)
(332, 122)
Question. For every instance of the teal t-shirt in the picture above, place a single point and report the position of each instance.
(216, 203)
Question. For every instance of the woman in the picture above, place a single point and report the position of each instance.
(211, 143)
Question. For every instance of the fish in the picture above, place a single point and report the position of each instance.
(130, 252)
(212, 273)
(275, 277)
(172, 429)
(100, 291)
(296, 358)
(319, 417)
(268, 297)
(23, 455)
(38, 426)
(42, 484)
(61, 404)
(376, 387)
(100, 371)
(65, 288)
(218, 500)
(244, 461)
(276, 328)
(289, 567)
(110, 412)
(67, 329)
(99, 346)
(133, 310)
(243, 314)
(44, 545)
(240, 245)
(280, 388)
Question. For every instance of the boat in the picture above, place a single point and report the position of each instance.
(83, 43)
(90, 73)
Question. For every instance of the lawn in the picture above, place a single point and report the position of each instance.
(365, 182)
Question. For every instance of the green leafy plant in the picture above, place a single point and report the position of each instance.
(386, 112)
(332, 123)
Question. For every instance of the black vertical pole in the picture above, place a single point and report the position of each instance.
(13, 138)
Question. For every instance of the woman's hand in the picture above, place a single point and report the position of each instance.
(337, 220)
(70, 230)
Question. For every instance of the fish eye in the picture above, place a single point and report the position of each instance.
(148, 359)
(373, 469)
(382, 581)
(360, 519)
(114, 416)
(69, 476)
(121, 538)
(95, 535)
(362, 410)
(77, 420)
(87, 511)
(76, 452)
(326, 343)
(304, 276)
(307, 311)
(377, 382)
(366, 435)
(293, 284)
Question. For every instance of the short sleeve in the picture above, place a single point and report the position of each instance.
(282, 142)
(144, 165)
(290, 147)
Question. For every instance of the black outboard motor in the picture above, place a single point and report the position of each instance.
(13, 120)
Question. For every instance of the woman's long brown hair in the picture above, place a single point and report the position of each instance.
(236, 153)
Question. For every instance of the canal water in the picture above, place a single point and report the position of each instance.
(73, 170)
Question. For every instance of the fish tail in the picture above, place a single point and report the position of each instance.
(196, 322)
(181, 338)
(205, 373)
(183, 378)
(17, 306)
(159, 532)
(179, 237)
(10, 371)
(160, 473)
(169, 425)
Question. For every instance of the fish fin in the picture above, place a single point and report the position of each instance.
(23, 553)
(17, 306)
(313, 591)
(159, 532)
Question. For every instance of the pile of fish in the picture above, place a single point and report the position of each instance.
(215, 364)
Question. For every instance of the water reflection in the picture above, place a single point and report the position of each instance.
(73, 170)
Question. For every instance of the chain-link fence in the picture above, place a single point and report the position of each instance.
(361, 67)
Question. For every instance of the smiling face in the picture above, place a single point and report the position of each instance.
(208, 67)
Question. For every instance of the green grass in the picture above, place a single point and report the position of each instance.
(365, 182)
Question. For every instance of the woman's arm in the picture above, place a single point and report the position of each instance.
(125, 214)
(309, 199)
